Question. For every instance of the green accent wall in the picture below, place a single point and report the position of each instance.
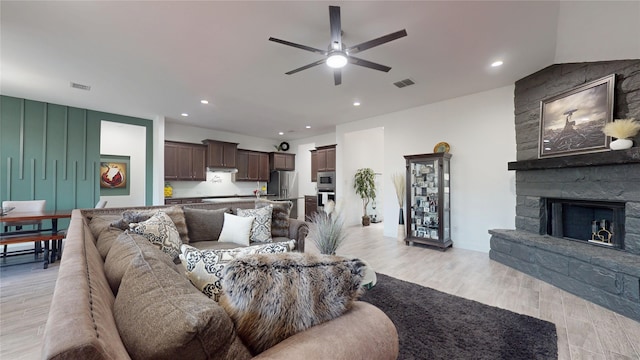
(52, 152)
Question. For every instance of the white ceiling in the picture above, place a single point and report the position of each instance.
(160, 58)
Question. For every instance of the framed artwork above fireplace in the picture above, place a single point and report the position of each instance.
(572, 122)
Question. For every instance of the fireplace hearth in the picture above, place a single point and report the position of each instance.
(578, 216)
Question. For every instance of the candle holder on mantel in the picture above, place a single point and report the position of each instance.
(600, 234)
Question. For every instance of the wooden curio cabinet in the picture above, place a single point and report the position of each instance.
(428, 218)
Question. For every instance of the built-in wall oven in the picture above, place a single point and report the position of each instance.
(324, 197)
(326, 181)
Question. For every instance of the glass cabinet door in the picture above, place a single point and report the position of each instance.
(428, 198)
(424, 199)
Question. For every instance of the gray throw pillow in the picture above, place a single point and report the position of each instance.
(136, 216)
(204, 224)
(279, 216)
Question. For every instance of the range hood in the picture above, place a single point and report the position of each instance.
(222, 169)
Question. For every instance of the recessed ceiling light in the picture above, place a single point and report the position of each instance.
(496, 63)
(308, 126)
(204, 101)
(280, 133)
(356, 103)
(184, 114)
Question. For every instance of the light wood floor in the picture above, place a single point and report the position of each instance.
(585, 330)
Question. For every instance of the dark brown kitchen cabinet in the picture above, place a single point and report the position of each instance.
(310, 206)
(252, 166)
(326, 158)
(221, 154)
(170, 161)
(184, 161)
(314, 165)
(281, 161)
(263, 166)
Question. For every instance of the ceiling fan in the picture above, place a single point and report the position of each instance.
(338, 55)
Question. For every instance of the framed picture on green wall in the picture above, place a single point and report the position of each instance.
(114, 175)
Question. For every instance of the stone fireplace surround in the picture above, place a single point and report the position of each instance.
(608, 277)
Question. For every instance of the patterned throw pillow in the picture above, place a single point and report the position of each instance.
(161, 231)
(279, 216)
(236, 229)
(261, 229)
(204, 267)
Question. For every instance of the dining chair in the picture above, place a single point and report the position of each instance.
(25, 205)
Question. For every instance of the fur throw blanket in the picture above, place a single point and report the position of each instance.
(271, 297)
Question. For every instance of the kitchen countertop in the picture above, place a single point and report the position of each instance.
(229, 198)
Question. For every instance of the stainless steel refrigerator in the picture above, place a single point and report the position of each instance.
(283, 185)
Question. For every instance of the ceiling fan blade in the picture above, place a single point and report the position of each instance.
(368, 64)
(306, 67)
(303, 47)
(375, 42)
(337, 76)
(336, 28)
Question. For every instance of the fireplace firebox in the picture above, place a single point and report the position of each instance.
(595, 222)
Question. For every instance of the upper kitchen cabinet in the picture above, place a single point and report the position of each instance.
(183, 161)
(282, 161)
(314, 165)
(221, 154)
(252, 166)
(326, 158)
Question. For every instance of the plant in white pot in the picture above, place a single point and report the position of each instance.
(365, 186)
(623, 130)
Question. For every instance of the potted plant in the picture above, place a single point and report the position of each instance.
(365, 186)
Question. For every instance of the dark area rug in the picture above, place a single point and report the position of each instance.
(435, 325)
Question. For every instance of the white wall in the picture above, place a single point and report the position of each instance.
(598, 31)
(481, 133)
(361, 149)
(126, 140)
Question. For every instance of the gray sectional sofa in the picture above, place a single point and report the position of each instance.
(162, 315)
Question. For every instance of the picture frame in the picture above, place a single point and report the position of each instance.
(572, 122)
(113, 175)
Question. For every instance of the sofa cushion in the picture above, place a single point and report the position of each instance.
(135, 216)
(271, 297)
(204, 224)
(236, 229)
(160, 315)
(261, 228)
(204, 267)
(125, 247)
(279, 216)
(160, 231)
(100, 223)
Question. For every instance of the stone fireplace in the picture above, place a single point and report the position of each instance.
(564, 203)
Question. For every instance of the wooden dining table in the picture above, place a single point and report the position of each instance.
(47, 235)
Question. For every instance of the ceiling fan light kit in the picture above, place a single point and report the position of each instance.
(337, 60)
(338, 55)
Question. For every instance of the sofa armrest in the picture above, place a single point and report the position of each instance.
(298, 230)
(364, 332)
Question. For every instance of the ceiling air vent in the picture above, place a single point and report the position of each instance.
(80, 86)
(403, 83)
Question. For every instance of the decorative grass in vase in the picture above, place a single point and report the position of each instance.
(326, 231)
(399, 184)
(623, 130)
